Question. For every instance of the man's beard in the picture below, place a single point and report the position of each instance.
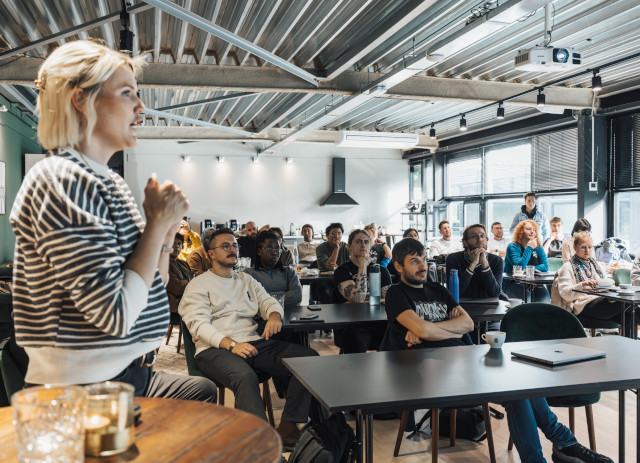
(415, 281)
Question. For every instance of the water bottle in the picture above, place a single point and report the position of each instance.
(374, 284)
(454, 287)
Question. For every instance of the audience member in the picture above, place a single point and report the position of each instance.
(498, 244)
(479, 272)
(445, 245)
(411, 233)
(380, 252)
(81, 241)
(247, 243)
(218, 308)
(423, 315)
(198, 260)
(191, 240)
(352, 285)
(332, 253)
(583, 272)
(307, 249)
(179, 275)
(553, 245)
(530, 211)
(286, 256)
(525, 250)
(568, 250)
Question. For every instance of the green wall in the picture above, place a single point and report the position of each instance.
(16, 138)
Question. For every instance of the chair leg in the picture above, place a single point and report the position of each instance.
(593, 332)
(403, 424)
(510, 444)
(179, 337)
(266, 397)
(452, 427)
(221, 396)
(169, 334)
(435, 433)
(590, 425)
(487, 426)
(572, 420)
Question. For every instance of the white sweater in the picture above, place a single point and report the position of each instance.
(572, 300)
(444, 247)
(215, 307)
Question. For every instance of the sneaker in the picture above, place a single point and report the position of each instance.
(577, 453)
(289, 441)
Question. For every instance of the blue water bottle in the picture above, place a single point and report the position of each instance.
(454, 287)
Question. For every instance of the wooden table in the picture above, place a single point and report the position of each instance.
(181, 431)
(415, 379)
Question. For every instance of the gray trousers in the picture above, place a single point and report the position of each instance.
(241, 376)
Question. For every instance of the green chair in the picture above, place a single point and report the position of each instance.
(554, 263)
(622, 276)
(538, 321)
(192, 368)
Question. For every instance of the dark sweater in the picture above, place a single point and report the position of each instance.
(481, 283)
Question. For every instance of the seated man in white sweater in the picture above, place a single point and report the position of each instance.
(445, 245)
(218, 308)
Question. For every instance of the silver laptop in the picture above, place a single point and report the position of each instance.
(558, 354)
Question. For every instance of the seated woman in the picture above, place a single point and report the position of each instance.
(352, 285)
(525, 250)
(583, 272)
(568, 250)
(380, 252)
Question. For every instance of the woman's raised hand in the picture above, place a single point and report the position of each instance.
(165, 203)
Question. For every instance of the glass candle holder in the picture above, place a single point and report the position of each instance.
(49, 423)
(109, 421)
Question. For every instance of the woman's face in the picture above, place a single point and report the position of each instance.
(529, 232)
(360, 245)
(118, 109)
(372, 234)
(269, 253)
(413, 234)
(583, 250)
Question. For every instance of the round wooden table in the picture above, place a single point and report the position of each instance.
(181, 430)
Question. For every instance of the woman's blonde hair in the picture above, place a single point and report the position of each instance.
(581, 237)
(371, 227)
(518, 233)
(82, 64)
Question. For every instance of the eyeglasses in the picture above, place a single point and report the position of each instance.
(478, 237)
(273, 250)
(226, 246)
(335, 234)
(586, 247)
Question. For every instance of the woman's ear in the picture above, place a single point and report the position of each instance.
(78, 100)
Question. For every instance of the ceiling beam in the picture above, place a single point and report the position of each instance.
(188, 120)
(19, 97)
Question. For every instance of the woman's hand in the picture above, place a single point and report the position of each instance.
(589, 284)
(165, 203)
(364, 261)
(533, 243)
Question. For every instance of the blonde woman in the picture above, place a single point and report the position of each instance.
(380, 252)
(525, 249)
(89, 300)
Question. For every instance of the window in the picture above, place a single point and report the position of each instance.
(627, 219)
(464, 174)
(455, 216)
(555, 161)
(471, 213)
(563, 206)
(626, 151)
(508, 168)
(415, 178)
(503, 211)
(428, 179)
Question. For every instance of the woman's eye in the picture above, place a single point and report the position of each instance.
(126, 93)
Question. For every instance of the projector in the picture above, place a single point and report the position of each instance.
(547, 59)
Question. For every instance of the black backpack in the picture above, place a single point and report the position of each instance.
(331, 441)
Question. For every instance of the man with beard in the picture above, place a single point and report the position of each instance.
(445, 245)
(529, 211)
(248, 243)
(218, 308)
(423, 314)
(479, 273)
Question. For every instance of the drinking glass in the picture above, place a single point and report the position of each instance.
(517, 270)
(531, 271)
(49, 423)
(109, 421)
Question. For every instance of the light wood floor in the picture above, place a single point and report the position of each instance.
(418, 450)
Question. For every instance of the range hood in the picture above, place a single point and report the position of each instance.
(339, 197)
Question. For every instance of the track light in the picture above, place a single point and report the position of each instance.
(432, 132)
(541, 99)
(221, 159)
(289, 160)
(256, 160)
(185, 158)
(500, 113)
(463, 123)
(596, 82)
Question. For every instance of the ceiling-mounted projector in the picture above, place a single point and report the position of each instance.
(547, 59)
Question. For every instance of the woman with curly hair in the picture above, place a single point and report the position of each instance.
(526, 249)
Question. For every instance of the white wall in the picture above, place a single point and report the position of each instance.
(272, 191)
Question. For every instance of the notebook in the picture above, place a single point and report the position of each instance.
(558, 354)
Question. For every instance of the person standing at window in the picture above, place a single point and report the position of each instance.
(531, 212)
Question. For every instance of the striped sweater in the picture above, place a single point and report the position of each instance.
(78, 314)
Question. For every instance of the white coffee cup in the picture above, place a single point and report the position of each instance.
(514, 302)
(494, 338)
(605, 282)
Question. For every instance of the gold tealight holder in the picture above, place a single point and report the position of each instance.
(109, 423)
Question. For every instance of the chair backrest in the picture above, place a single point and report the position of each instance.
(190, 351)
(554, 263)
(622, 276)
(537, 321)
(12, 378)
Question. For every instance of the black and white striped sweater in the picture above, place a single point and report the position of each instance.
(74, 229)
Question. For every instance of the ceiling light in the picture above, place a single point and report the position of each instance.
(3, 109)
(596, 82)
(289, 160)
(432, 132)
(221, 159)
(500, 113)
(185, 158)
(256, 160)
(463, 124)
(541, 99)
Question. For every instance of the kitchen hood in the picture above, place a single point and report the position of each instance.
(339, 197)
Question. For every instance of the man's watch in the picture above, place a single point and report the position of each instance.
(232, 345)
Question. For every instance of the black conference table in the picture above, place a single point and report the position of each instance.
(324, 277)
(530, 284)
(627, 302)
(405, 380)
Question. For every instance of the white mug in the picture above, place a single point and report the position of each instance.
(494, 338)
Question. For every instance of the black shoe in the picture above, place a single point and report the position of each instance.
(289, 441)
(577, 453)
